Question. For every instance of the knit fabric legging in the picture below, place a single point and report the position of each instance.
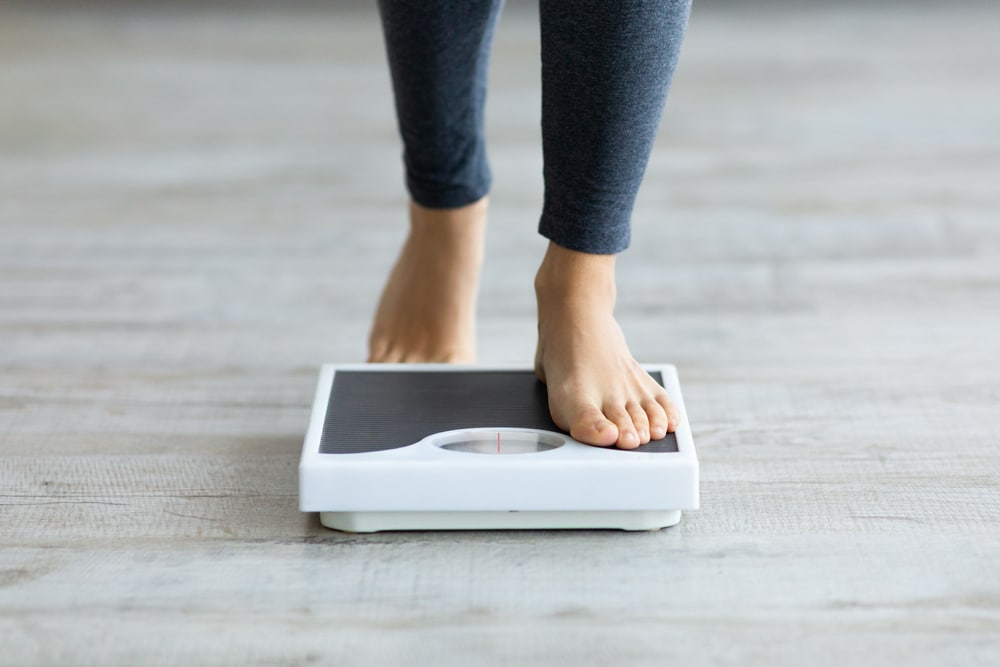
(606, 69)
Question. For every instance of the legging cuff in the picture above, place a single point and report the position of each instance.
(604, 231)
(447, 195)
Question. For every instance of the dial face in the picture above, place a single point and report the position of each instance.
(500, 441)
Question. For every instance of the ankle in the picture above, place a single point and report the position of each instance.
(567, 274)
(456, 236)
(465, 221)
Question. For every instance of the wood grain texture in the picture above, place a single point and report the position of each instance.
(197, 208)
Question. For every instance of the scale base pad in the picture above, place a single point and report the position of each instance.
(370, 522)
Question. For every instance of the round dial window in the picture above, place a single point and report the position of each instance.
(500, 441)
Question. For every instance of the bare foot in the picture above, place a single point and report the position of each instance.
(428, 307)
(597, 390)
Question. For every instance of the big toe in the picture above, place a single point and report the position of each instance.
(591, 427)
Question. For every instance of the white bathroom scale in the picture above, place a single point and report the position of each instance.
(445, 447)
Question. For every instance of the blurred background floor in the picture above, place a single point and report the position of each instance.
(198, 206)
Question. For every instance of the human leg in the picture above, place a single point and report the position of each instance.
(606, 69)
(438, 53)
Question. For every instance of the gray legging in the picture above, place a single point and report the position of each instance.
(606, 69)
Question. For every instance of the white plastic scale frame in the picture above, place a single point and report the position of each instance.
(446, 481)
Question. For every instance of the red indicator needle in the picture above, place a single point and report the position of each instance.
(498, 442)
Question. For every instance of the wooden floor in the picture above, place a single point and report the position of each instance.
(197, 208)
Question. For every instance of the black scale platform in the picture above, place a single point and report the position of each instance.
(375, 411)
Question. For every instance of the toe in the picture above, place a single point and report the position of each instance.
(591, 427)
(659, 422)
(639, 420)
(392, 355)
(673, 414)
(627, 436)
(414, 356)
(376, 350)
